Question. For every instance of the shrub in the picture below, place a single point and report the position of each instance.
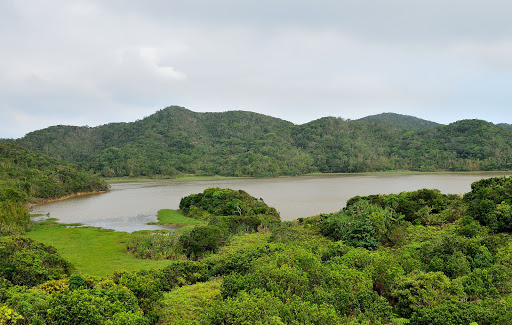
(361, 224)
(156, 246)
(201, 239)
(26, 262)
(490, 203)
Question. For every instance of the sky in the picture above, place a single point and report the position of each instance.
(78, 62)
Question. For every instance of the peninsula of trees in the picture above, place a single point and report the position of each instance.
(27, 176)
(176, 141)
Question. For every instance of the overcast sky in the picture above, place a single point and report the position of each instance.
(94, 62)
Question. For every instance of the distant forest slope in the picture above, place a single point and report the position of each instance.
(400, 121)
(176, 141)
(505, 126)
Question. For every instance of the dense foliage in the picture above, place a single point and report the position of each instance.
(25, 262)
(27, 176)
(418, 258)
(490, 203)
(224, 202)
(175, 141)
(37, 176)
(76, 300)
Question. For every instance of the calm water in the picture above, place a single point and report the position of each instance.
(129, 206)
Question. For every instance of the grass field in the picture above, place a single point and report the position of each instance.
(92, 251)
(174, 218)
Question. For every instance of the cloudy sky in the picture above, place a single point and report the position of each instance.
(93, 62)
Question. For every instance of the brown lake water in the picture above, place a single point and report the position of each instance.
(130, 206)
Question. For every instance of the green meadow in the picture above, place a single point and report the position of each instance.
(174, 218)
(93, 251)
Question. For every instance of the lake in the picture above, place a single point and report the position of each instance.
(130, 206)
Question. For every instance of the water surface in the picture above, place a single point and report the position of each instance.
(130, 206)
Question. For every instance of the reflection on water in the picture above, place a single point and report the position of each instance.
(130, 206)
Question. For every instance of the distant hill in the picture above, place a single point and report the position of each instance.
(400, 121)
(505, 126)
(176, 141)
(463, 145)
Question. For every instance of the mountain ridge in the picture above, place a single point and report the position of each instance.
(176, 141)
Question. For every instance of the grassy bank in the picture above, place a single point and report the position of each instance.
(169, 217)
(92, 251)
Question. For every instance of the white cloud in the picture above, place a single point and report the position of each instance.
(104, 61)
(495, 54)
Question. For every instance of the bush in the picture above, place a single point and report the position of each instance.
(145, 285)
(237, 224)
(181, 273)
(261, 307)
(420, 290)
(451, 313)
(14, 216)
(26, 262)
(416, 207)
(156, 246)
(361, 224)
(201, 239)
(490, 203)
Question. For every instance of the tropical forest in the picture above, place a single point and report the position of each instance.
(414, 257)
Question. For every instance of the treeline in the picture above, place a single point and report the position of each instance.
(176, 141)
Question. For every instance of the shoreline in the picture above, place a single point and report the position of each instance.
(216, 177)
(62, 198)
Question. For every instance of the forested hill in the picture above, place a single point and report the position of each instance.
(31, 176)
(400, 121)
(176, 141)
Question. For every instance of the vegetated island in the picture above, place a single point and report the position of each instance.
(175, 142)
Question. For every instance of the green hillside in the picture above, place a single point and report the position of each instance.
(27, 176)
(400, 121)
(176, 141)
(37, 176)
